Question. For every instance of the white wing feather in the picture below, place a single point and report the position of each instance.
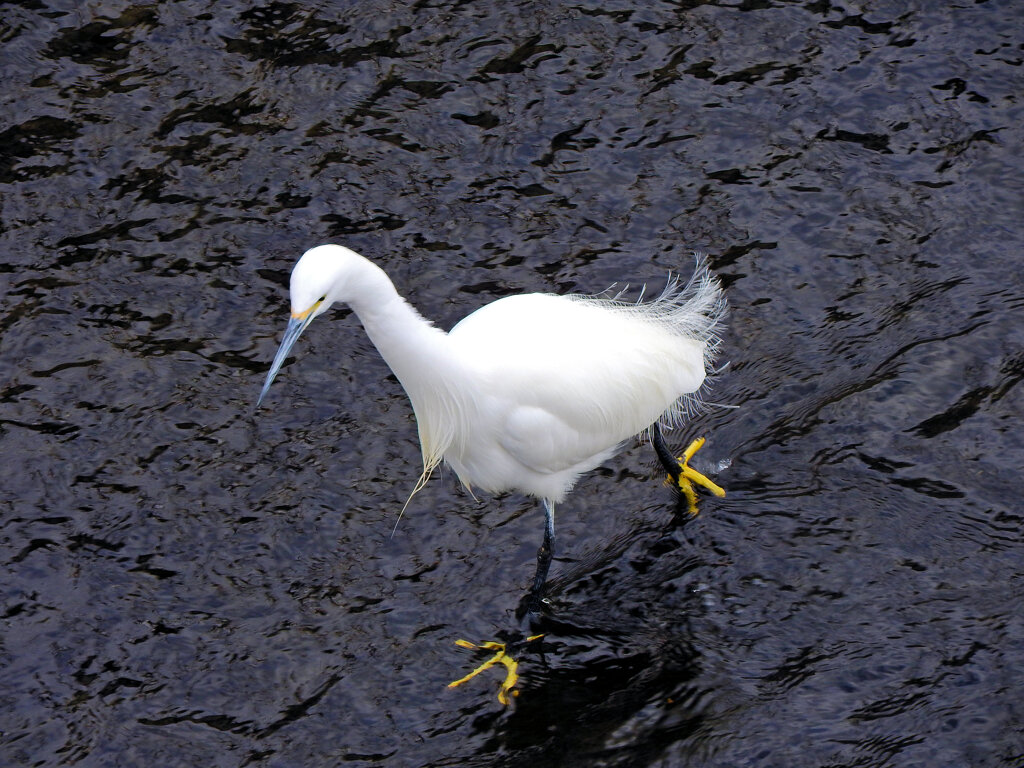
(575, 376)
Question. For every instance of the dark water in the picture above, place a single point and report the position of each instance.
(186, 585)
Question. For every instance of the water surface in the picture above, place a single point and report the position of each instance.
(187, 584)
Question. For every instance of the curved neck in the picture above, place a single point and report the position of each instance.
(409, 344)
(413, 348)
(419, 354)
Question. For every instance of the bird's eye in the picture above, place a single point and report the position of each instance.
(323, 298)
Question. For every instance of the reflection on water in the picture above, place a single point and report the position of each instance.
(185, 584)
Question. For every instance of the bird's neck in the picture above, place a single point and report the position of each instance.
(415, 350)
(421, 357)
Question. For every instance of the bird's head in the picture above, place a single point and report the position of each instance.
(322, 277)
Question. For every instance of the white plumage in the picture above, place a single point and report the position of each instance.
(532, 390)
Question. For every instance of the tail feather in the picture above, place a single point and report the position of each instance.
(693, 310)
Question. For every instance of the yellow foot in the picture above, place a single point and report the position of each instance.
(688, 476)
(500, 657)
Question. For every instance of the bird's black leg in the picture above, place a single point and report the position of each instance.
(668, 461)
(511, 644)
(544, 555)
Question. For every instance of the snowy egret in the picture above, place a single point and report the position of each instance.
(530, 391)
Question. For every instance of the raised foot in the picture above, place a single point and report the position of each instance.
(688, 477)
(501, 656)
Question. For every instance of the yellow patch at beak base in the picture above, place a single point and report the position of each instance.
(304, 315)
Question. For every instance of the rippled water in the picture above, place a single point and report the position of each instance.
(185, 584)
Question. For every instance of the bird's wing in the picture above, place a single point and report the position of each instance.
(541, 441)
(571, 380)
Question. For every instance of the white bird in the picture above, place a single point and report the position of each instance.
(532, 390)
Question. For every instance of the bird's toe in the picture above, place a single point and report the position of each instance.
(501, 654)
(689, 477)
